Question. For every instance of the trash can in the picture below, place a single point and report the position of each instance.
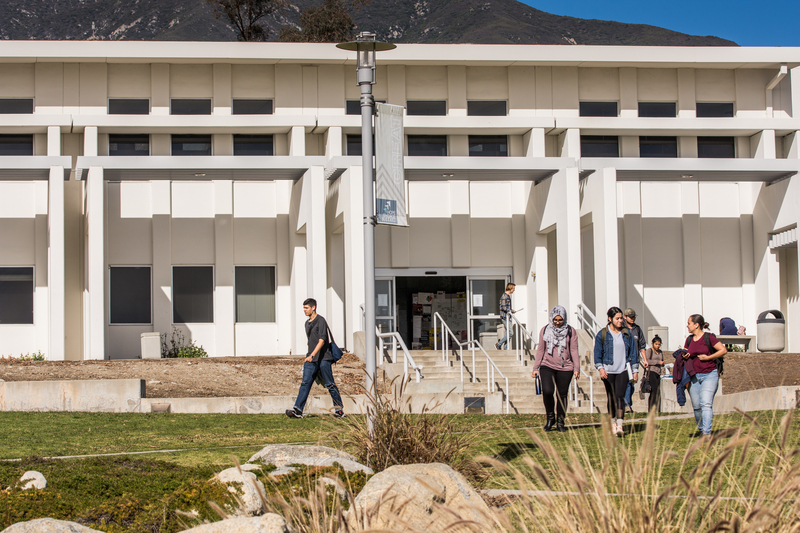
(661, 331)
(771, 332)
(151, 345)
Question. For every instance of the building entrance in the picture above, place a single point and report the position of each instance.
(419, 297)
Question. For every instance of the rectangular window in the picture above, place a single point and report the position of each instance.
(354, 145)
(486, 108)
(255, 294)
(128, 144)
(191, 145)
(130, 295)
(16, 106)
(16, 295)
(128, 106)
(488, 145)
(716, 147)
(598, 109)
(426, 107)
(658, 109)
(658, 147)
(252, 106)
(353, 107)
(714, 109)
(16, 145)
(252, 145)
(427, 145)
(192, 295)
(190, 106)
(599, 146)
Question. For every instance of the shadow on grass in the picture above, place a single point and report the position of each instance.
(511, 450)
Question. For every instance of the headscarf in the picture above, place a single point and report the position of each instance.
(556, 336)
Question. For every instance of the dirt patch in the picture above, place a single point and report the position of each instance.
(195, 378)
(751, 371)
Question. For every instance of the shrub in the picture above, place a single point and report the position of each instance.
(177, 347)
(38, 356)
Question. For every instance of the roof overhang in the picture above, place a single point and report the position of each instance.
(37, 167)
(193, 124)
(692, 169)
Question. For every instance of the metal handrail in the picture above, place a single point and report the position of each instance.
(490, 377)
(445, 354)
(591, 389)
(407, 359)
(518, 350)
(587, 319)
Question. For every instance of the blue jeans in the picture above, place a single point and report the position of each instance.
(680, 388)
(502, 342)
(629, 394)
(310, 371)
(702, 391)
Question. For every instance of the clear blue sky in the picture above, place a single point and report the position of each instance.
(746, 22)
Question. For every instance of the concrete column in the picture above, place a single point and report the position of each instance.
(687, 101)
(53, 141)
(748, 193)
(533, 143)
(632, 220)
(161, 198)
(314, 191)
(354, 249)
(297, 141)
(224, 314)
(55, 267)
(628, 93)
(396, 75)
(791, 145)
(458, 145)
(90, 141)
(692, 262)
(687, 146)
(606, 246)
(571, 143)
(568, 233)
(457, 90)
(460, 243)
(96, 272)
(629, 146)
(222, 89)
(522, 91)
(159, 89)
(762, 145)
(333, 142)
(285, 306)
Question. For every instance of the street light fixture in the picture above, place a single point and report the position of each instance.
(365, 47)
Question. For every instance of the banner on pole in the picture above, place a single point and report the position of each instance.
(390, 200)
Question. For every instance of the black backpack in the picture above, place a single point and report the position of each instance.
(720, 361)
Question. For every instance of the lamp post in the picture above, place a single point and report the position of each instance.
(365, 47)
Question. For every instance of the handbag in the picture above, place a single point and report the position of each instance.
(335, 350)
(646, 387)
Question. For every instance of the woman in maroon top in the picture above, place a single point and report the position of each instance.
(700, 351)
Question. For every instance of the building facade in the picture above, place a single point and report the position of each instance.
(212, 187)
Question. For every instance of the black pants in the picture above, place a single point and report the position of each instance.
(615, 392)
(553, 380)
(655, 392)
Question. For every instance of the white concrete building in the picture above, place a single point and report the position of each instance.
(214, 186)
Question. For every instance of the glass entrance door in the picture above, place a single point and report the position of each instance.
(484, 308)
(385, 309)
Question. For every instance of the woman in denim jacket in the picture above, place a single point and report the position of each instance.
(614, 349)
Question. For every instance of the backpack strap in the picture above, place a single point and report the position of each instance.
(707, 338)
(688, 340)
(603, 333)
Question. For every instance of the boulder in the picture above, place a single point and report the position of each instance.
(247, 488)
(422, 497)
(268, 523)
(48, 525)
(33, 480)
(284, 455)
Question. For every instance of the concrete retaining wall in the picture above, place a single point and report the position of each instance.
(754, 400)
(97, 396)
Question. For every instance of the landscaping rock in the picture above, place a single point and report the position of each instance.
(269, 523)
(33, 480)
(247, 488)
(48, 525)
(283, 455)
(422, 497)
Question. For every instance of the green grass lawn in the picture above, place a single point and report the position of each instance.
(140, 492)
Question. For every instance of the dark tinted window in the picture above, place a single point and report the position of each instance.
(16, 144)
(715, 109)
(130, 295)
(657, 109)
(16, 295)
(716, 147)
(129, 144)
(599, 146)
(252, 107)
(16, 105)
(353, 107)
(191, 145)
(255, 294)
(488, 145)
(427, 145)
(598, 109)
(658, 147)
(192, 294)
(354, 144)
(252, 145)
(128, 106)
(426, 107)
(190, 106)
(486, 108)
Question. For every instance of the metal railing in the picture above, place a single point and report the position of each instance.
(519, 346)
(396, 340)
(587, 320)
(491, 378)
(591, 389)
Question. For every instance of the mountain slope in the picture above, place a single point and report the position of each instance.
(419, 21)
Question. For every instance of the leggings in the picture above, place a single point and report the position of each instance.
(655, 392)
(615, 391)
(552, 380)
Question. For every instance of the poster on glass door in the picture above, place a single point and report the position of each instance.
(390, 201)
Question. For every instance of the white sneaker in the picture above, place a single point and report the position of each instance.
(614, 428)
(620, 432)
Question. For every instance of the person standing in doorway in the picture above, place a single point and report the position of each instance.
(318, 361)
(640, 343)
(505, 311)
(613, 351)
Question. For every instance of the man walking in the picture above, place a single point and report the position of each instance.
(640, 342)
(318, 361)
(505, 309)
